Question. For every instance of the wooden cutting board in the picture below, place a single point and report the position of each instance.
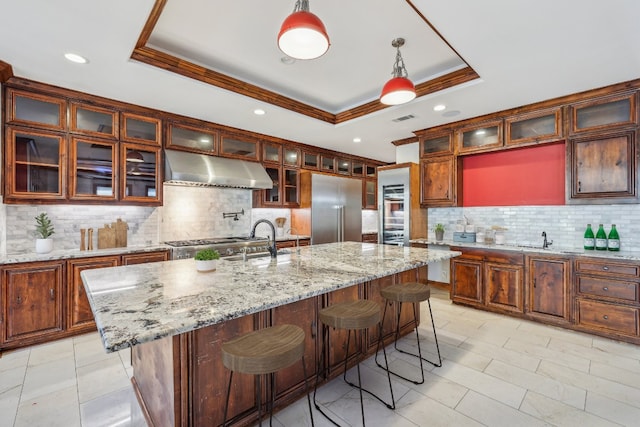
(106, 237)
(120, 228)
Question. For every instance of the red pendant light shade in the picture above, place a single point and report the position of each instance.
(399, 89)
(303, 35)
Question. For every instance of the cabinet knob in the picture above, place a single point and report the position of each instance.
(579, 186)
(52, 294)
(605, 268)
(19, 299)
(314, 329)
(605, 317)
(605, 288)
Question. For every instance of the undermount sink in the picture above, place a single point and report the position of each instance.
(530, 246)
(254, 256)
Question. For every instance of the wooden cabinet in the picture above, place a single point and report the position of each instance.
(436, 143)
(140, 174)
(336, 350)
(310, 160)
(327, 163)
(369, 194)
(239, 147)
(440, 182)
(36, 110)
(282, 244)
(343, 166)
(34, 165)
(191, 137)
(93, 169)
(548, 288)
(603, 168)
(487, 278)
(145, 257)
(607, 297)
(95, 121)
(603, 113)
(477, 137)
(31, 302)
(285, 191)
(370, 238)
(534, 128)
(79, 314)
(140, 129)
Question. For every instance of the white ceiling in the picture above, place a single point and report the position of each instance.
(524, 51)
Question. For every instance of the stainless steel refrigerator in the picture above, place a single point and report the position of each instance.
(336, 209)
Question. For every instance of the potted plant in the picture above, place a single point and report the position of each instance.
(44, 230)
(439, 230)
(206, 259)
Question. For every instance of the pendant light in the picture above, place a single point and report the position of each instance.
(302, 35)
(399, 89)
(134, 156)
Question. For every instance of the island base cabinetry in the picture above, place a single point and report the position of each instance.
(181, 380)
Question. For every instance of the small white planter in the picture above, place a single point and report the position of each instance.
(44, 246)
(206, 265)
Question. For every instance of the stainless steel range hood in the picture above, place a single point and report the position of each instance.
(182, 168)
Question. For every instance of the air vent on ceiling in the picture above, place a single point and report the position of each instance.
(403, 118)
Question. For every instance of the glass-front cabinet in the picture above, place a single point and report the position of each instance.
(92, 175)
(291, 187)
(604, 113)
(310, 160)
(34, 165)
(369, 194)
(285, 190)
(191, 138)
(94, 121)
(328, 164)
(343, 166)
(139, 169)
(140, 129)
(31, 109)
(239, 147)
(534, 127)
(479, 137)
(271, 152)
(291, 156)
(436, 144)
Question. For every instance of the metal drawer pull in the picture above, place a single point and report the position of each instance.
(605, 317)
(19, 299)
(605, 268)
(51, 293)
(605, 288)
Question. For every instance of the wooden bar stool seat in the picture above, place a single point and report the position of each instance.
(356, 315)
(412, 293)
(264, 351)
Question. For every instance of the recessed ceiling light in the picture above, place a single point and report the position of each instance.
(259, 112)
(439, 107)
(74, 57)
(356, 139)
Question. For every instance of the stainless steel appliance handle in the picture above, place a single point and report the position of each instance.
(342, 223)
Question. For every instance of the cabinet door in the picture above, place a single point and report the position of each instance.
(603, 113)
(304, 314)
(140, 129)
(466, 281)
(503, 286)
(34, 165)
(31, 109)
(79, 315)
(94, 121)
(32, 301)
(143, 258)
(436, 144)
(239, 147)
(140, 172)
(291, 157)
(291, 187)
(548, 288)
(92, 175)
(271, 153)
(191, 138)
(328, 164)
(369, 194)
(604, 167)
(373, 289)
(438, 181)
(534, 127)
(479, 137)
(310, 160)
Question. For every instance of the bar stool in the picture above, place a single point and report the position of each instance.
(354, 316)
(265, 351)
(411, 292)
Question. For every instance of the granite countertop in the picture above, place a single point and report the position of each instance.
(623, 254)
(140, 303)
(62, 254)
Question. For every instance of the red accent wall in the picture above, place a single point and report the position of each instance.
(524, 176)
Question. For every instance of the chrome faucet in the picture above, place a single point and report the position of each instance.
(273, 250)
(546, 243)
(297, 239)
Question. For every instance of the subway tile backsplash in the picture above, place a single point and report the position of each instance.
(565, 225)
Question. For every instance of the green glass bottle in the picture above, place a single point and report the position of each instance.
(613, 242)
(589, 239)
(601, 239)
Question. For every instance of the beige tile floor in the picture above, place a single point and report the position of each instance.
(497, 371)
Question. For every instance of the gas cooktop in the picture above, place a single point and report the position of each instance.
(209, 241)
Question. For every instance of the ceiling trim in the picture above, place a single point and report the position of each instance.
(168, 62)
(6, 71)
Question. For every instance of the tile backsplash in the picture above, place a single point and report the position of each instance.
(565, 225)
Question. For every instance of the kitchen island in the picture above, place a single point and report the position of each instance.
(176, 318)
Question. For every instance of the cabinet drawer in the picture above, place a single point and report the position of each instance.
(608, 316)
(605, 267)
(627, 291)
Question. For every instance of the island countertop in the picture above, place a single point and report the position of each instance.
(141, 303)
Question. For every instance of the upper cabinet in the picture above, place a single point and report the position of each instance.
(603, 113)
(440, 182)
(310, 160)
(534, 128)
(478, 137)
(92, 175)
(140, 169)
(191, 138)
(239, 146)
(37, 110)
(436, 143)
(291, 156)
(94, 121)
(140, 129)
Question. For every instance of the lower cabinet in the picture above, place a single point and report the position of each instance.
(79, 314)
(45, 301)
(32, 304)
(548, 288)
